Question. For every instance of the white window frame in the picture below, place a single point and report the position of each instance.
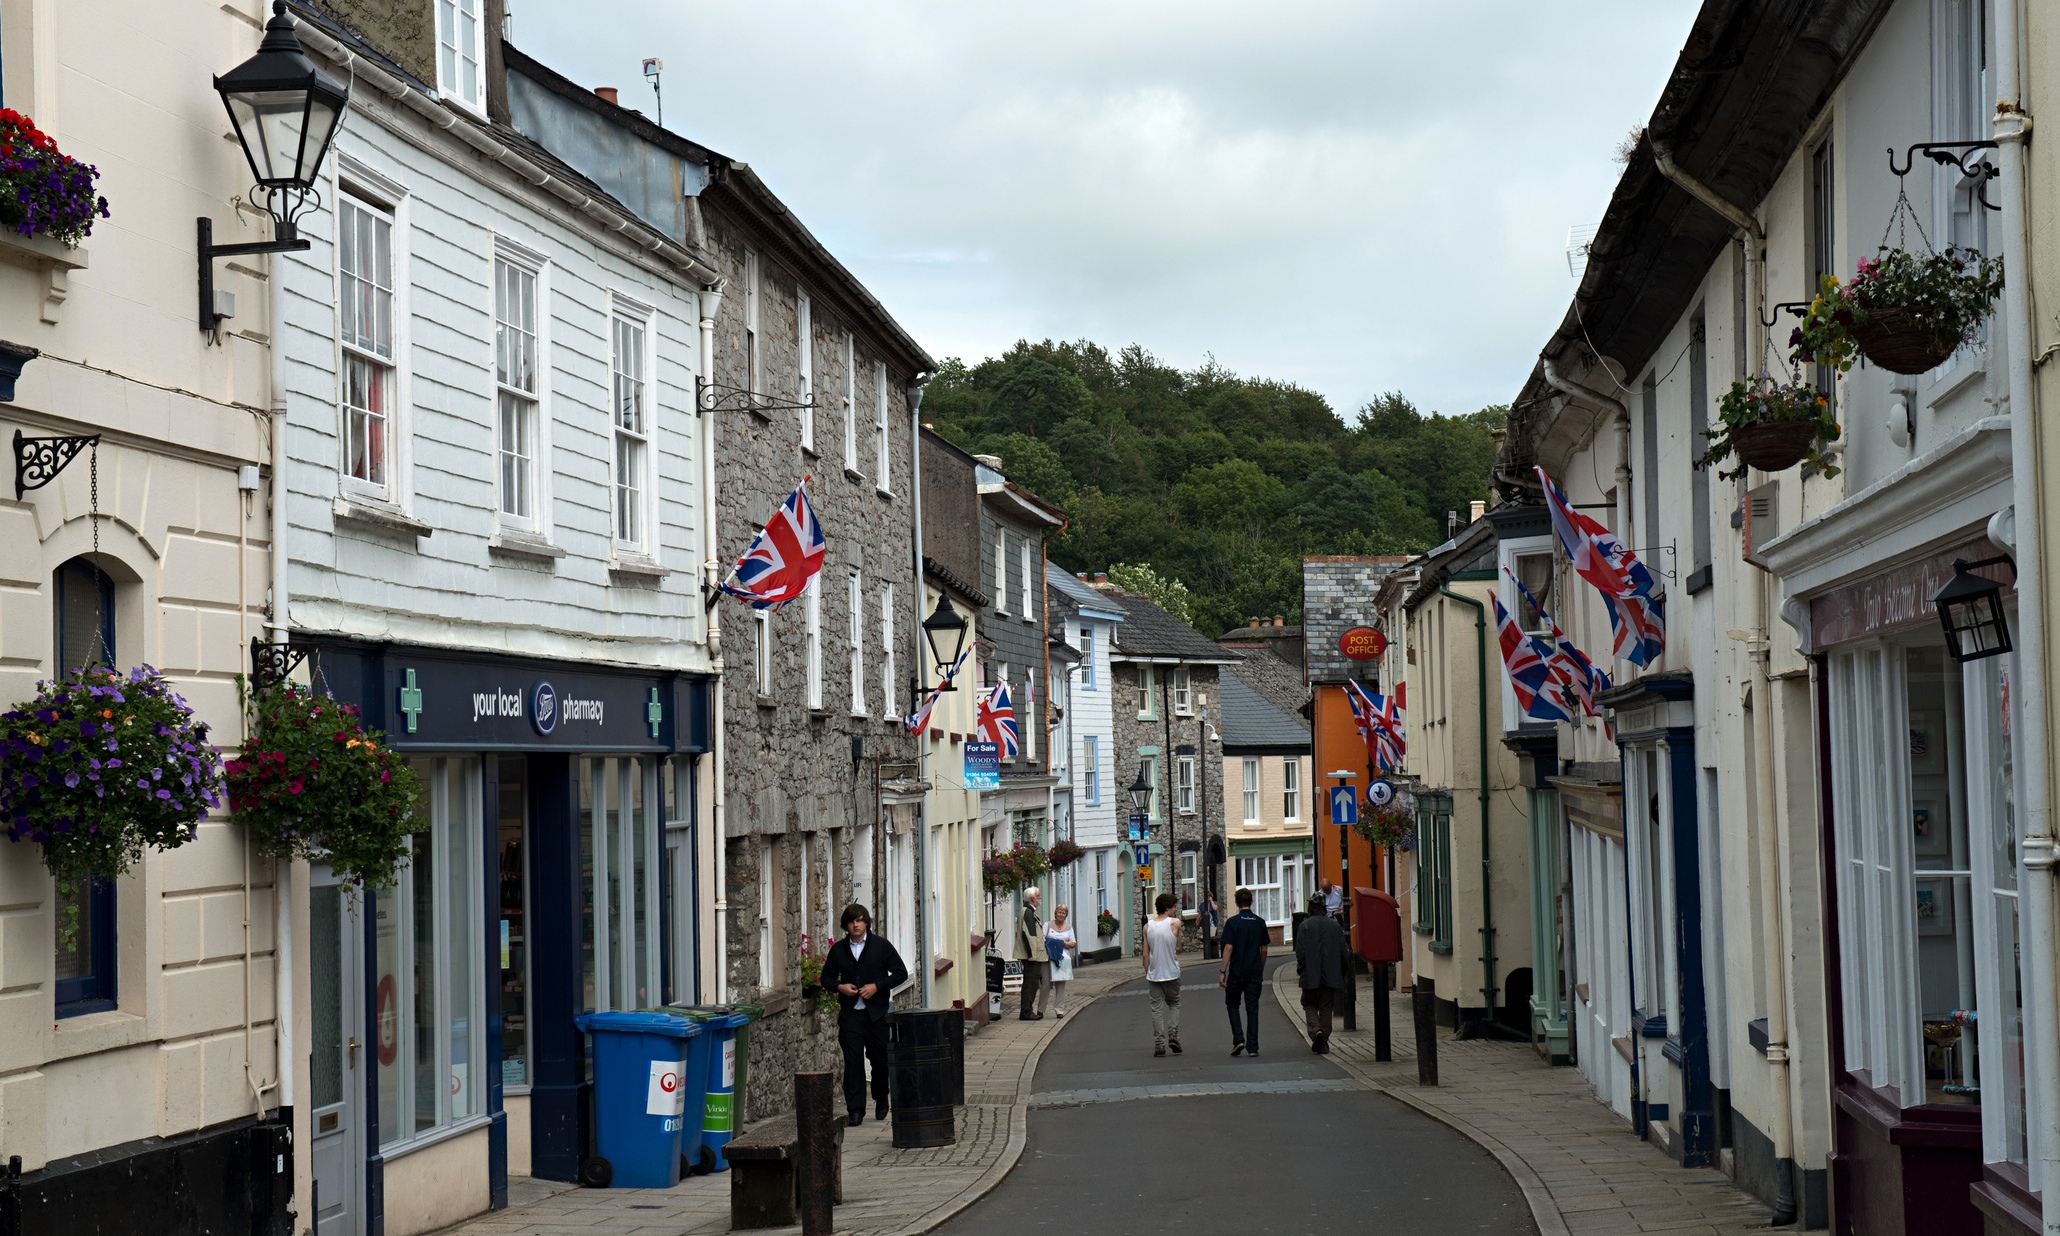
(364, 190)
(1029, 601)
(527, 261)
(754, 352)
(1147, 692)
(762, 650)
(1001, 570)
(850, 404)
(1184, 784)
(766, 973)
(1150, 762)
(883, 462)
(454, 45)
(1025, 696)
(1260, 873)
(1251, 788)
(890, 695)
(1291, 789)
(641, 317)
(1092, 677)
(854, 630)
(1183, 691)
(1190, 892)
(804, 363)
(812, 603)
(1091, 759)
(1101, 883)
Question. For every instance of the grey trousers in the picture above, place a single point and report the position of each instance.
(1165, 1011)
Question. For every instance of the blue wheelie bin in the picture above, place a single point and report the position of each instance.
(649, 1069)
(719, 1113)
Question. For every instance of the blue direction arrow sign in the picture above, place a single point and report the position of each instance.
(1344, 805)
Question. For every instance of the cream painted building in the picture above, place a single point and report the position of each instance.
(1267, 780)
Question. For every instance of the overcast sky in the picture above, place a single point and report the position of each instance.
(1353, 195)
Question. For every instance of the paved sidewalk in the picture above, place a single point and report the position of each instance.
(1578, 1165)
(886, 1191)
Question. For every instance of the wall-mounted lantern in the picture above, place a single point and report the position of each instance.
(1970, 608)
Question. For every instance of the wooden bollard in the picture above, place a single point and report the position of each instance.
(815, 1159)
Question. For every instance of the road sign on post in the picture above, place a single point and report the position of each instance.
(1344, 805)
(1139, 822)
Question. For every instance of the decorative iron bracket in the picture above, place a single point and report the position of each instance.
(717, 397)
(288, 240)
(1954, 153)
(37, 461)
(1797, 307)
(271, 664)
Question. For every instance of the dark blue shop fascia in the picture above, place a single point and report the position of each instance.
(460, 702)
(1689, 1046)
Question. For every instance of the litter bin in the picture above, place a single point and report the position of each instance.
(644, 1086)
(723, 1077)
(920, 1057)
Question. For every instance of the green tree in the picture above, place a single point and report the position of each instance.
(1163, 591)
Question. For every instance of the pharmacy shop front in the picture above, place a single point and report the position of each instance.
(554, 871)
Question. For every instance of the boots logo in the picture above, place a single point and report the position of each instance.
(543, 708)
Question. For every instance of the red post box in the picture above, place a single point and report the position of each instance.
(1376, 927)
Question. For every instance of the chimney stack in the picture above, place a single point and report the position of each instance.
(1279, 620)
(1255, 621)
(1101, 577)
(609, 94)
(1475, 509)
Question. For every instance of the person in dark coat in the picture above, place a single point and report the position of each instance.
(863, 969)
(1320, 963)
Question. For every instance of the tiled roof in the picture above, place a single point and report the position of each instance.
(1079, 591)
(1279, 683)
(1149, 631)
(1249, 720)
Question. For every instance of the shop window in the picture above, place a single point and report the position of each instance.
(1261, 874)
(510, 815)
(619, 809)
(426, 932)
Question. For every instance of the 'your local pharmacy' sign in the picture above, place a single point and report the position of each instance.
(484, 705)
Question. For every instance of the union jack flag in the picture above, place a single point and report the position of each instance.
(1539, 692)
(919, 720)
(1569, 664)
(1637, 607)
(1379, 719)
(996, 720)
(785, 555)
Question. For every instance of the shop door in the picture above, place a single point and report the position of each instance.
(336, 982)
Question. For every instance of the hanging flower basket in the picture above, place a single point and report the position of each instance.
(100, 765)
(1064, 853)
(1393, 825)
(821, 998)
(1107, 925)
(1014, 868)
(1772, 426)
(1895, 340)
(1904, 313)
(43, 191)
(312, 783)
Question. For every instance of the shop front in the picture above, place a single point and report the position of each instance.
(554, 872)
(1928, 1037)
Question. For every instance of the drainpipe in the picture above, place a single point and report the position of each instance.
(1773, 896)
(1738, 217)
(711, 304)
(1480, 636)
(924, 928)
(2012, 127)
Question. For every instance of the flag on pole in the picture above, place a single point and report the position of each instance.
(1394, 741)
(996, 720)
(1637, 607)
(919, 720)
(1569, 664)
(785, 555)
(1539, 693)
(1379, 720)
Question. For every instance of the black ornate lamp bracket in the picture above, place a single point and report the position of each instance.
(1797, 307)
(37, 461)
(287, 239)
(1956, 154)
(717, 397)
(271, 664)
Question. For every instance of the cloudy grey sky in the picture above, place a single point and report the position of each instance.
(1353, 195)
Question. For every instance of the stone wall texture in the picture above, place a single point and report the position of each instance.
(1169, 733)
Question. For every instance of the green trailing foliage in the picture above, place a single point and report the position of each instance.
(1215, 485)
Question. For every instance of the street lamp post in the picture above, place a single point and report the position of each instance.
(1140, 805)
(945, 628)
(1350, 1011)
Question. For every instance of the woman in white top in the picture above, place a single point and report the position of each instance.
(1058, 932)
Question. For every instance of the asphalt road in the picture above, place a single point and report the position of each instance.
(1285, 1144)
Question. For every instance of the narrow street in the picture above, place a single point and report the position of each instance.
(1125, 1144)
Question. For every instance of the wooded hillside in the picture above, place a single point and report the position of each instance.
(1219, 481)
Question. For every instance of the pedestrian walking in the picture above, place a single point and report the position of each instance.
(1243, 972)
(1162, 973)
(1320, 963)
(1059, 947)
(863, 969)
(1030, 948)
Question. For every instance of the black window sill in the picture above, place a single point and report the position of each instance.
(1700, 579)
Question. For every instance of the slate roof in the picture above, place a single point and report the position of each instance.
(1250, 721)
(1277, 682)
(1081, 594)
(1149, 632)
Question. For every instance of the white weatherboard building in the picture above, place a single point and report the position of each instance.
(1100, 804)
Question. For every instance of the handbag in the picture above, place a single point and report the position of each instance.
(1054, 949)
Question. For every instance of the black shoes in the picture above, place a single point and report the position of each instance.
(880, 1112)
(855, 1118)
(1237, 1049)
(1175, 1045)
(1158, 1051)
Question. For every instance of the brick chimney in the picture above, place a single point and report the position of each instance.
(608, 94)
(1475, 509)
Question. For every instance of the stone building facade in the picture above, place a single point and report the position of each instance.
(1164, 677)
(811, 376)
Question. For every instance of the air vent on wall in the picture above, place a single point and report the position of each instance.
(1762, 520)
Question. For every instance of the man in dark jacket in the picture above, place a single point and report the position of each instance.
(1320, 962)
(863, 969)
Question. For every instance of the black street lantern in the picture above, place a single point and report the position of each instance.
(1970, 607)
(945, 625)
(285, 112)
(1140, 792)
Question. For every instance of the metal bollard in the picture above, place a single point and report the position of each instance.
(1424, 1003)
(1383, 1033)
(815, 1162)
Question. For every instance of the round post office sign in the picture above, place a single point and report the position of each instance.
(1363, 644)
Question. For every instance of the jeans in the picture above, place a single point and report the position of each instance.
(862, 1038)
(1033, 978)
(1165, 1012)
(1317, 1003)
(1246, 991)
